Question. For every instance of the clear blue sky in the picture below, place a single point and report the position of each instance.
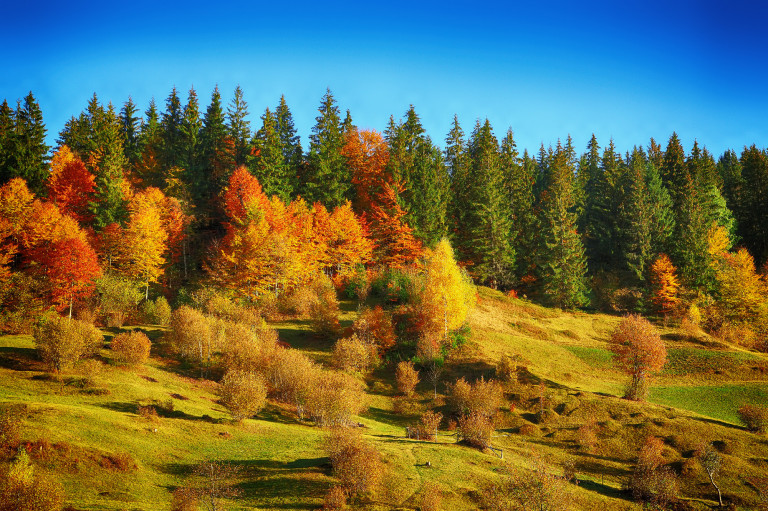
(621, 69)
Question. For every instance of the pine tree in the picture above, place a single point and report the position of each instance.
(170, 132)
(730, 174)
(290, 142)
(524, 220)
(268, 163)
(457, 168)
(30, 150)
(129, 124)
(191, 124)
(217, 158)
(149, 168)
(327, 178)
(239, 126)
(635, 219)
(562, 264)
(7, 143)
(675, 174)
(486, 234)
(754, 213)
(110, 201)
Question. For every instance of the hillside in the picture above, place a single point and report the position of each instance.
(85, 428)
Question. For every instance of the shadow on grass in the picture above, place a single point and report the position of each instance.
(132, 408)
(18, 359)
(604, 490)
(388, 417)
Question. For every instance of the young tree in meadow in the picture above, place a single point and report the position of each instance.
(639, 351)
(407, 377)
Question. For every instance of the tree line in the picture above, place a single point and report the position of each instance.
(567, 228)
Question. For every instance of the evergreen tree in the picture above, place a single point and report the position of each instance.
(290, 142)
(129, 130)
(149, 168)
(457, 168)
(7, 143)
(191, 124)
(110, 202)
(327, 178)
(730, 175)
(562, 262)
(170, 132)
(486, 234)
(239, 126)
(674, 171)
(268, 163)
(29, 155)
(636, 219)
(754, 213)
(417, 165)
(217, 158)
(520, 176)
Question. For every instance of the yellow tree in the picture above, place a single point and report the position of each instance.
(743, 293)
(144, 239)
(448, 294)
(664, 284)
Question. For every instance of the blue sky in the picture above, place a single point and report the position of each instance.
(622, 70)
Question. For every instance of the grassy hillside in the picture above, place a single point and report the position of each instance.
(86, 429)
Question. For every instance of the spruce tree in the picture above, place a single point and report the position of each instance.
(457, 168)
(109, 205)
(30, 152)
(239, 126)
(7, 143)
(217, 158)
(290, 142)
(520, 175)
(149, 168)
(268, 162)
(129, 130)
(170, 132)
(191, 124)
(753, 225)
(326, 179)
(562, 261)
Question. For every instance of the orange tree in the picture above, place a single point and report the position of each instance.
(639, 351)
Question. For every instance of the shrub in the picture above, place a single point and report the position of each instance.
(249, 349)
(530, 430)
(652, 481)
(407, 377)
(298, 302)
(61, 342)
(325, 312)
(375, 327)
(523, 489)
(475, 429)
(427, 427)
(147, 412)
(355, 463)
(290, 377)
(243, 394)
(184, 499)
(191, 335)
(331, 397)
(754, 417)
(356, 283)
(506, 369)
(131, 347)
(354, 354)
(335, 499)
(483, 396)
(157, 312)
(22, 488)
(586, 436)
(11, 419)
(216, 483)
(639, 351)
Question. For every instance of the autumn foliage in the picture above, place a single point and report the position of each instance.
(639, 351)
(664, 285)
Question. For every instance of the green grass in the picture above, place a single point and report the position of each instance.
(718, 402)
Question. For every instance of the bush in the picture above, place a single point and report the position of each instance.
(331, 398)
(191, 335)
(427, 427)
(325, 312)
(523, 489)
(506, 369)
(407, 378)
(375, 327)
(431, 497)
(355, 463)
(299, 302)
(184, 499)
(586, 436)
(475, 429)
(131, 347)
(243, 394)
(755, 418)
(335, 499)
(22, 488)
(483, 396)
(652, 481)
(354, 354)
(61, 342)
(249, 349)
(157, 312)
(11, 420)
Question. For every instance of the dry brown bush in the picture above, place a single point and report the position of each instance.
(299, 302)
(355, 463)
(131, 347)
(242, 393)
(11, 420)
(148, 412)
(482, 396)
(506, 369)
(407, 377)
(61, 342)
(754, 417)
(184, 499)
(427, 427)
(475, 429)
(521, 490)
(335, 499)
(652, 481)
(586, 436)
(354, 354)
(289, 377)
(192, 335)
(333, 397)
(530, 430)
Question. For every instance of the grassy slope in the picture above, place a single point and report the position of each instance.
(282, 462)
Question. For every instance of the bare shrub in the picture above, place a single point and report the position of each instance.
(711, 461)
(375, 327)
(249, 349)
(216, 484)
(521, 490)
(427, 427)
(335, 499)
(354, 354)
(355, 463)
(506, 369)
(652, 481)
(475, 429)
(131, 347)
(754, 417)
(586, 436)
(482, 396)
(23, 488)
(243, 394)
(407, 377)
(148, 412)
(61, 342)
(184, 499)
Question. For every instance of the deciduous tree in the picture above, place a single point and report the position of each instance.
(639, 351)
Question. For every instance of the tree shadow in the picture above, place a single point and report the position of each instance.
(19, 359)
(604, 490)
(387, 417)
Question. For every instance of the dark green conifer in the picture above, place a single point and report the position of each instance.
(268, 163)
(239, 126)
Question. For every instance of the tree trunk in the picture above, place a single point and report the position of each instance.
(719, 494)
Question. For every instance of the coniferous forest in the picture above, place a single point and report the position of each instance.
(198, 311)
